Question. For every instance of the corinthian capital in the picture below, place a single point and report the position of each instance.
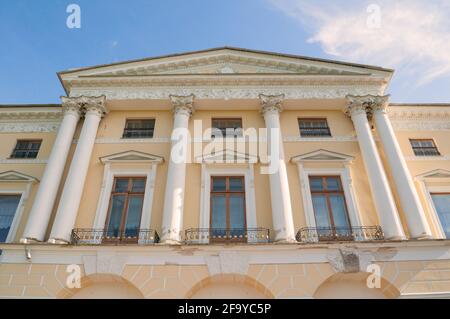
(271, 102)
(85, 104)
(183, 103)
(366, 104)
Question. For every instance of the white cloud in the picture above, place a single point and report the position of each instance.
(114, 43)
(413, 36)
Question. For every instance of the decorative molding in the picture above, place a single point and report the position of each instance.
(23, 161)
(15, 176)
(437, 173)
(368, 103)
(271, 103)
(427, 158)
(343, 138)
(183, 103)
(322, 156)
(131, 157)
(422, 114)
(93, 104)
(230, 92)
(227, 156)
(29, 127)
(421, 125)
(20, 116)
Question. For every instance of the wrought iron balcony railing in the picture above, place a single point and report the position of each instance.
(91, 236)
(223, 235)
(364, 233)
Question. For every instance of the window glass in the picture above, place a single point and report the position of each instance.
(442, 205)
(8, 207)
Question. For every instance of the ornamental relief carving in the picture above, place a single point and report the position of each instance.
(27, 127)
(297, 92)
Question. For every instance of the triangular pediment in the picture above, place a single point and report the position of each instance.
(226, 157)
(437, 173)
(131, 156)
(224, 61)
(322, 156)
(14, 176)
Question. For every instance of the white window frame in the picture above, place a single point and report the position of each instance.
(105, 194)
(438, 175)
(247, 172)
(24, 194)
(349, 193)
(432, 207)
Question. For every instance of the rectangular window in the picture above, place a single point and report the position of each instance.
(228, 222)
(125, 209)
(330, 210)
(310, 127)
(424, 147)
(441, 202)
(26, 149)
(226, 127)
(139, 128)
(8, 207)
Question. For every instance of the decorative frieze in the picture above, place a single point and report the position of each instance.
(29, 127)
(229, 92)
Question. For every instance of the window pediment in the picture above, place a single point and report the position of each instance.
(437, 173)
(322, 156)
(131, 156)
(227, 157)
(14, 176)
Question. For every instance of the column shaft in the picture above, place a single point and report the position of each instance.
(415, 217)
(283, 223)
(45, 197)
(176, 175)
(384, 201)
(73, 187)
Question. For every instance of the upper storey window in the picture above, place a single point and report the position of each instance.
(26, 149)
(139, 128)
(424, 147)
(226, 127)
(311, 127)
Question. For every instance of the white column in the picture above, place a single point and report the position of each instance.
(45, 197)
(382, 195)
(175, 185)
(73, 187)
(415, 217)
(283, 223)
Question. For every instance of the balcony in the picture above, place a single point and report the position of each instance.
(330, 234)
(226, 236)
(89, 236)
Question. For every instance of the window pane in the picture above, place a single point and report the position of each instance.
(219, 184)
(218, 215)
(121, 185)
(236, 184)
(117, 205)
(226, 127)
(442, 204)
(338, 208)
(333, 184)
(321, 211)
(138, 185)
(316, 183)
(237, 215)
(8, 207)
(139, 128)
(133, 216)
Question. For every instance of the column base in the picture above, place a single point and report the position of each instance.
(170, 242)
(285, 241)
(29, 241)
(56, 241)
(423, 237)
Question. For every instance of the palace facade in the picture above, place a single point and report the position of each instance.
(225, 173)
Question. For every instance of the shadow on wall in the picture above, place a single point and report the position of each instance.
(104, 286)
(354, 286)
(229, 287)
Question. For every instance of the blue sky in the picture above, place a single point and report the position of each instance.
(412, 36)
